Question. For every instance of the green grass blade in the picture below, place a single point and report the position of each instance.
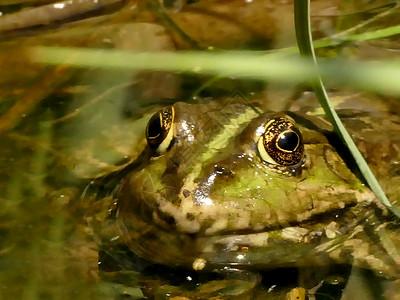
(379, 77)
(304, 41)
(364, 36)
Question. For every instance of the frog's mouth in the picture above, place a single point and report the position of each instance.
(348, 235)
(335, 236)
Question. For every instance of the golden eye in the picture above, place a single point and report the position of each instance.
(160, 129)
(281, 143)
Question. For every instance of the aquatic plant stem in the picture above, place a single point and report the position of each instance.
(304, 41)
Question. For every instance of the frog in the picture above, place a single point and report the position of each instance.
(229, 187)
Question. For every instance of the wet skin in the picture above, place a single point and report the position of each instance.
(228, 185)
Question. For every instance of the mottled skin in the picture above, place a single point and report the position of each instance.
(209, 200)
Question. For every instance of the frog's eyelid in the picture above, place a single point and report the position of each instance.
(263, 153)
(166, 142)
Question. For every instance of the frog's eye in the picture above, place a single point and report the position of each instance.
(160, 129)
(281, 143)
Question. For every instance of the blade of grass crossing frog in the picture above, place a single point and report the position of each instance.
(304, 41)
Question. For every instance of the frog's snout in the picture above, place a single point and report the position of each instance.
(202, 192)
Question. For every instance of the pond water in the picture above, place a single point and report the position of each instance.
(69, 135)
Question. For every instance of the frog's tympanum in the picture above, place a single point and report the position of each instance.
(222, 186)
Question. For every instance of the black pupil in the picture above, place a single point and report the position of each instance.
(154, 128)
(288, 141)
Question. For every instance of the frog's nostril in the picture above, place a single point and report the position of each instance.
(219, 170)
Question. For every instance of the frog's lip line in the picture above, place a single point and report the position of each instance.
(333, 215)
(300, 220)
(234, 250)
(336, 215)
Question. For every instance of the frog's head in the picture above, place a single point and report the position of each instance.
(232, 171)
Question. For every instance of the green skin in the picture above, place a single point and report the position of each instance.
(211, 201)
